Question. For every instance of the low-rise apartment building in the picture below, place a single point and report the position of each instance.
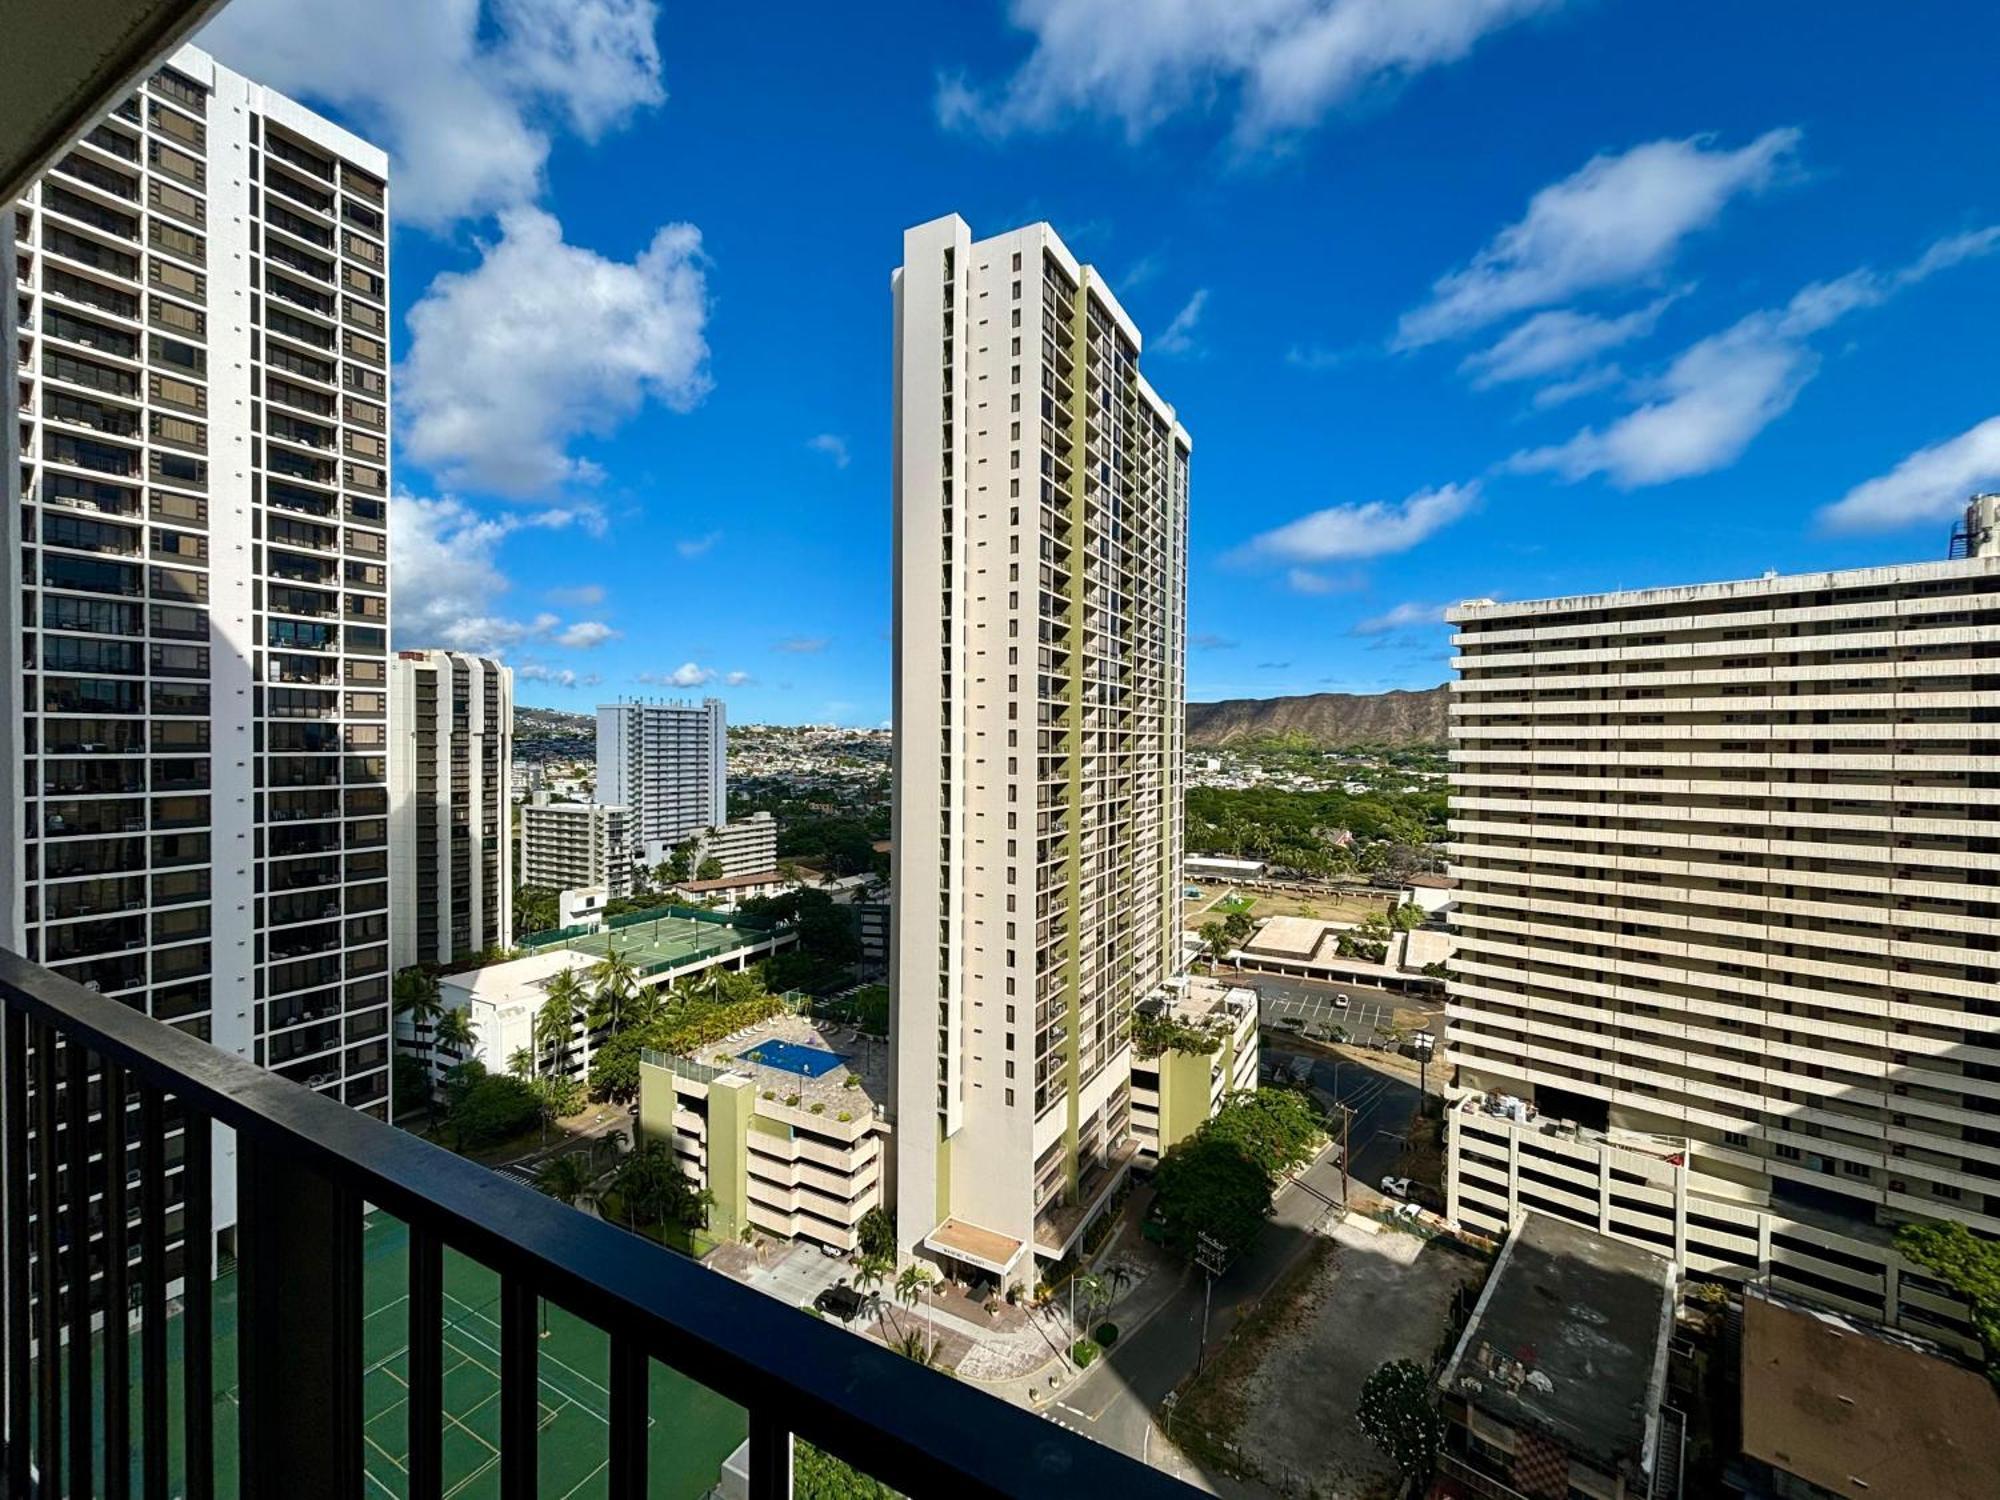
(568, 845)
(1558, 1386)
(1176, 1084)
(783, 1123)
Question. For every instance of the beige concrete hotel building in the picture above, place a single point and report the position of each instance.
(1041, 546)
(1729, 859)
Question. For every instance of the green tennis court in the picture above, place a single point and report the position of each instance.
(664, 942)
(691, 1429)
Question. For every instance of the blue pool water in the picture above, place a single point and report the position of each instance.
(807, 1062)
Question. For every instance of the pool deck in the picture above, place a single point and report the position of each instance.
(863, 1058)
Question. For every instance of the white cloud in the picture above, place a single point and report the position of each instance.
(1178, 337)
(1278, 64)
(1306, 581)
(1558, 340)
(1616, 220)
(833, 445)
(1208, 640)
(543, 342)
(446, 576)
(462, 103)
(1405, 616)
(697, 546)
(585, 634)
(584, 595)
(736, 679)
(803, 645)
(562, 677)
(1718, 394)
(688, 674)
(1929, 486)
(1315, 357)
(1372, 529)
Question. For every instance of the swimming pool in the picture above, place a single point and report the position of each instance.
(792, 1057)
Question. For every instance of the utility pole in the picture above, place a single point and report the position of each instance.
(1346, 1116)
(1213, 1257)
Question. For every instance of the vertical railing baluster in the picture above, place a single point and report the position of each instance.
(298, 1328)
(520, 1387)
(425, 1409)
(14, 1175)
(629, 1378)
(198, 1297)
(770, 1456)
(152, 1293)
(76, 1140)
(117, 1295)
(48, 1302)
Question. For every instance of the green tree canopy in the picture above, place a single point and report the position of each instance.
(1220, 1180)
(1970, 1266)
(491, 1109)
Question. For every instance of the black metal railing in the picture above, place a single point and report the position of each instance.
(83, 1077)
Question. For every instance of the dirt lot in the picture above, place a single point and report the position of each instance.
(1286, 1404)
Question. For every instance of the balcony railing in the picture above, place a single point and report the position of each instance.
(306, 1167)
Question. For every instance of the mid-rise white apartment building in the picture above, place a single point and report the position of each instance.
(1041, 546)
(451, 719)
(749, 846)
(1728, 975)
(667, 762)
(197, 577)
(571, 845)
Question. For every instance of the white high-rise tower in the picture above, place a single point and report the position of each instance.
(197, 577)
(1041, 546)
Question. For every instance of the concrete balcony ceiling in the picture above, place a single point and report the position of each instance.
(65, 64)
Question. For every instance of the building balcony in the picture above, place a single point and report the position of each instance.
(299, 1337)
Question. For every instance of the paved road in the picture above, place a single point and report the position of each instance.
(1114, 1402)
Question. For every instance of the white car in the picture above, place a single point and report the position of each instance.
(1340, 1002)
(1396, 1187)
(831, 1252)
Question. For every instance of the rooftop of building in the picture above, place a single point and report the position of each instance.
(1199, 999)
(857, 1056)
(1474, 610)
(657, 941)
(1569, 1340)
(728, 882)
(1855, 1410)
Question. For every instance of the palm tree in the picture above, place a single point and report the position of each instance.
(521, 1063)
(871, 1274)
(558, 1016)
(614, 982)
(567, 1179)
(416, 997)
(910, 1288)
(456, 1032)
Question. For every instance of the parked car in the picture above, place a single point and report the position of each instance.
(831, 1252)
(1396, 1187)
(1340, 1002)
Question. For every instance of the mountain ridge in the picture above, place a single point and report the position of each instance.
(1404, 716)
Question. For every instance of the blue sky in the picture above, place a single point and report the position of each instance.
(1458, 298)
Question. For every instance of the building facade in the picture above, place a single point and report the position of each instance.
(569, 845)
(451, 719)
(1041, 543)
(199, 566)
(1725, 982)
(667, 762)
(1175, 1086)
(749, 846)
(794, 1155)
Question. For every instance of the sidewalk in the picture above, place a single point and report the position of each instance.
(1160, 1278)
